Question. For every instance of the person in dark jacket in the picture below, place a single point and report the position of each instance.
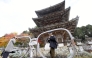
(53, 44)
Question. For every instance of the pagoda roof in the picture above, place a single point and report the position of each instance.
(70, 25)
(54, 8)
(55, 17)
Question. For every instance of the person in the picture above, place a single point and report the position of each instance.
(53, 44)
(9, 48)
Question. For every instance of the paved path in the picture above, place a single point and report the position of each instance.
(0, 57)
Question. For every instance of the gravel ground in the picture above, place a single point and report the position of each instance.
(63, 57)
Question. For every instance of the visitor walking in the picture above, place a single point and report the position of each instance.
(53, 44)
(9, 48)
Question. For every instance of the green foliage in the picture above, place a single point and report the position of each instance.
(80, 32)
(21, 44)
(18, 55)
(25, 32)
(42, 45)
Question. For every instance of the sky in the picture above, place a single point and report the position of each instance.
(16, 15)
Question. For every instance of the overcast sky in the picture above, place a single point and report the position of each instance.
(16, 15)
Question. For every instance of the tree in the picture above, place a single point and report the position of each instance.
(80, 32)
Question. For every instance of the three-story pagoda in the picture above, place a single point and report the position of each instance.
(53, 17)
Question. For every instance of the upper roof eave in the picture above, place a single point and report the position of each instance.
(49, 9)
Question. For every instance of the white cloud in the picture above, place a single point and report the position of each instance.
(16, 15)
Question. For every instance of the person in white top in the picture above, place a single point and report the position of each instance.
(9, 47)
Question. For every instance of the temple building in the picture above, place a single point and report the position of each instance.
(54, 17)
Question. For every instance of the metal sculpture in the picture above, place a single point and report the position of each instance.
(34, 41)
